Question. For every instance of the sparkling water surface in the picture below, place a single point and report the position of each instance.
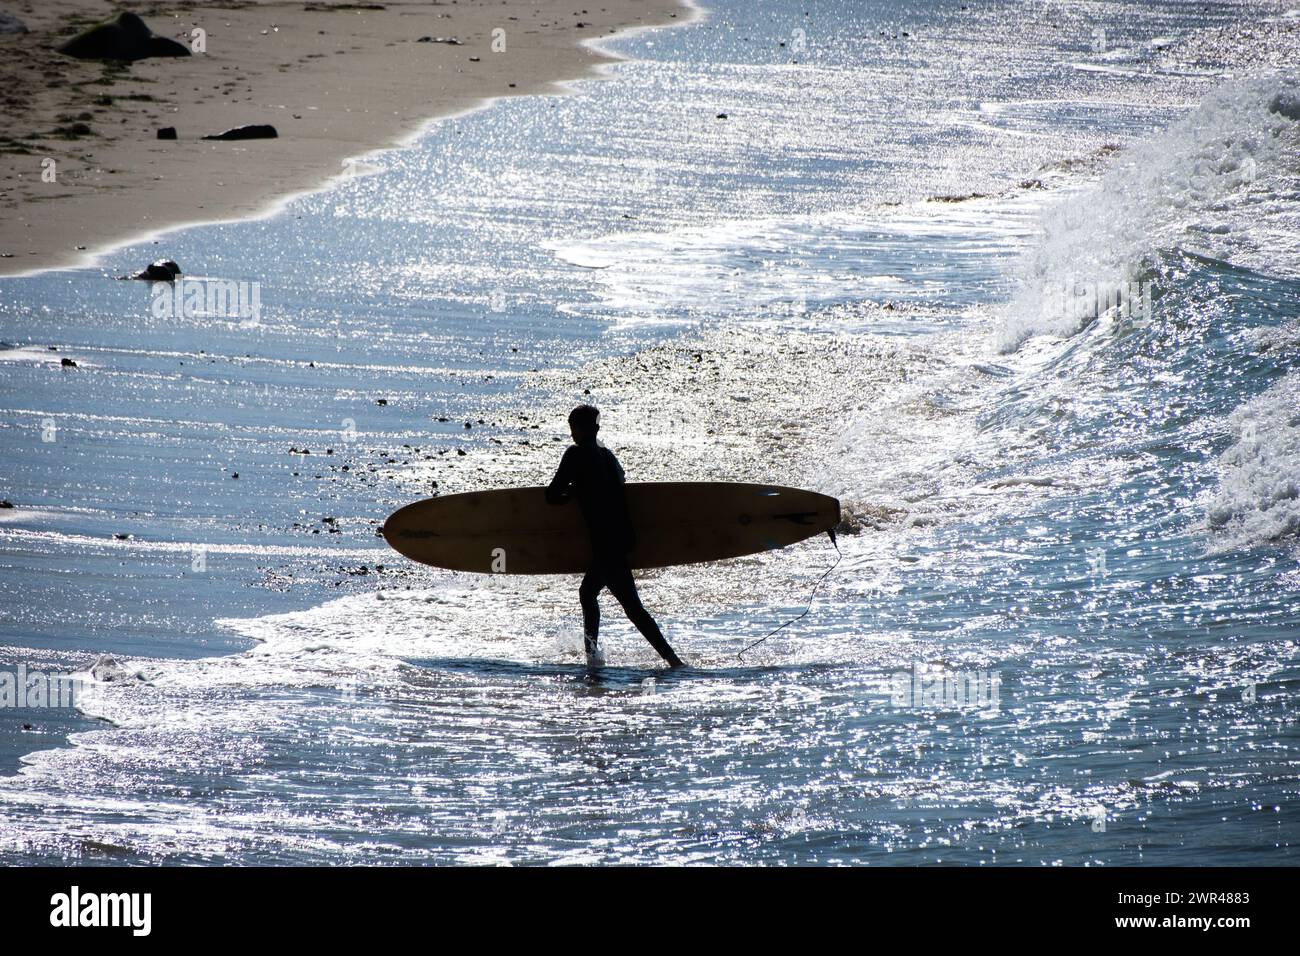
(1091, 522)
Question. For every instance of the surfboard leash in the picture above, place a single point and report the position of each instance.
(825, 574)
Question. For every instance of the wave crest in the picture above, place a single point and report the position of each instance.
(1221, 182)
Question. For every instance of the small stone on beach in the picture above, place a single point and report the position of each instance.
(252, 131)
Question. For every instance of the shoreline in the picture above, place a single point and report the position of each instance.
(130, 187)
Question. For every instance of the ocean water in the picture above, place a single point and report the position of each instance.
(1063, 627)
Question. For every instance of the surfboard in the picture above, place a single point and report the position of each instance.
(515, 531)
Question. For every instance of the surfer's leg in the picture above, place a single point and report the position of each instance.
(588, 594)
(622, 586)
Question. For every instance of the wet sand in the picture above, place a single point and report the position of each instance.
(337, 80)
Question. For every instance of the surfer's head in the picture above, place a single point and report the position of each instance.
(584, 422)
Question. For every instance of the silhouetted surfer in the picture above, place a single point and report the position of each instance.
(592, 474)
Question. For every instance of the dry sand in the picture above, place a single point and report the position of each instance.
(336, 79)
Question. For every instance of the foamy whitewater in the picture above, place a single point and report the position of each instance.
(1020, 284)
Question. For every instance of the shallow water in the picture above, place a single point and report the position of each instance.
(1087, 522)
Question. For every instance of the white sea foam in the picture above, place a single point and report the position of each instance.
(34, 354)
(741, 267)
(1230, 162)
(1258, 495)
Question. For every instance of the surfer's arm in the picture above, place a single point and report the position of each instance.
(560, 489)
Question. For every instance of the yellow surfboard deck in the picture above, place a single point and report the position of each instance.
(514, 530)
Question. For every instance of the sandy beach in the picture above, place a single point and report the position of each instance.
(336, 80)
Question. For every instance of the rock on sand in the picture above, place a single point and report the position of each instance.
(124, 37)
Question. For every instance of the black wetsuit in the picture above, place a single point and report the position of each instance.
(593, 475)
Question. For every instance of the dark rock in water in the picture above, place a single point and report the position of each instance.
(6, 503)
(67, 363)
(164, 270)
(125, 37)
(167, 132)
(11, 24)
(247, 132)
